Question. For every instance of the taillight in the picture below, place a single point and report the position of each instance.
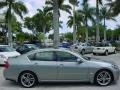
(6, 65)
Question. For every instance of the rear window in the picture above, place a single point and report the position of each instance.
(102, 45)
(6, 49)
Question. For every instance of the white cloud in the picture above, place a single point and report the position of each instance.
(33, 5)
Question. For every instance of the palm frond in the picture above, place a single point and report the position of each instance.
(2, 4)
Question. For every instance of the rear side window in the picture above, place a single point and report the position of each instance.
(42, 56)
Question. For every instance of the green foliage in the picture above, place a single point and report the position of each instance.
(41, 36)
(61, 6)
(68, 36)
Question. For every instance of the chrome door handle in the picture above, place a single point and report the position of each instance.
(61, 65)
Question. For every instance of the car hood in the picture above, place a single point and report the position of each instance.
(10, 54)
(102, 62)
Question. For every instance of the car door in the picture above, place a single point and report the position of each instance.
(69, 69)
(89, 48)
(44, 65)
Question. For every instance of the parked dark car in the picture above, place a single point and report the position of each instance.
(22, 49)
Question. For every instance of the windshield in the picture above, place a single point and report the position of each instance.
(6, 49)
(102, 45)
(32, 47)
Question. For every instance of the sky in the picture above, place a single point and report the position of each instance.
(33, 5)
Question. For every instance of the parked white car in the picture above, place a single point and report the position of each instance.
(82, 48)
(105, 48)
(6, 52)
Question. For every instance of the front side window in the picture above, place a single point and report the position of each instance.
(42, 56)
(65, 56)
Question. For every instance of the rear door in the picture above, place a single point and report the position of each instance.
(44, 65)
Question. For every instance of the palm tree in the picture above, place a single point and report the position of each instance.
(16, 7)
(74, 3)
(45, 19)
(114, 4)
(88, 15)
(78, 20)
(98, 2)
(105, 13)
(56, 6)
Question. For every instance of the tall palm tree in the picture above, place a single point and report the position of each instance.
(45, 19)
(78, 20)
(56, 6)
(88, 15)
(16, 7)
(74, 3)
(105, 13)
(98, 2)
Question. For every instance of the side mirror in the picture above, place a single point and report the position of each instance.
(79, 61)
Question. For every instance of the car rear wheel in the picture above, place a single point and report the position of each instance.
(83, 52)
(94, 53)
(27, 79)
(103, 78)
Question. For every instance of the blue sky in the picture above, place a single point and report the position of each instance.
(33, 5)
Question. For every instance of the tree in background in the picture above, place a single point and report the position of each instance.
(56, 6)
(105, 13)
(16, 7)
(88, 15)
(74, 3)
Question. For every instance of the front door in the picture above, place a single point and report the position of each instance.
(69, 69)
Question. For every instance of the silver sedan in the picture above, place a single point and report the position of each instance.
(59, 65)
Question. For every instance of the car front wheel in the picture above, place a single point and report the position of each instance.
(103, 78)
(27, 79)
(115, 52)
(106, 53)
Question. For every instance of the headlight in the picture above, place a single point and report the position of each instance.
(114, 66)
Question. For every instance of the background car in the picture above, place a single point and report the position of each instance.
(104, 48)
(59, 65)
(82, 48)
(6, 52)
(22, 49)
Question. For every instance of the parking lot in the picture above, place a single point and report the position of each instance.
(8, 85)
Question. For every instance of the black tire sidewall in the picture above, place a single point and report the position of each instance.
(95, 79)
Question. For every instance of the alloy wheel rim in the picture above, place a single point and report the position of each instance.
(27, 80)
(104, 78)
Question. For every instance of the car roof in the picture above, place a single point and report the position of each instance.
(47, 49)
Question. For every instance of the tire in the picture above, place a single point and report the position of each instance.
(83, 52)
(94, 53)
(106, 53)
(27, 79)
(103, 78)
(115, 51)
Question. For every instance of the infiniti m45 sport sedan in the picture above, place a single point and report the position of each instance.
(59, 65)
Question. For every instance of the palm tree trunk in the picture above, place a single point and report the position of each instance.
(86, 31)
(74, 26)
(104, 31)
(56, 23)
(10, 27)
(44, 28)
(97, 22)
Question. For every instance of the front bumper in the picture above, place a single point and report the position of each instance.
(116, 74)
